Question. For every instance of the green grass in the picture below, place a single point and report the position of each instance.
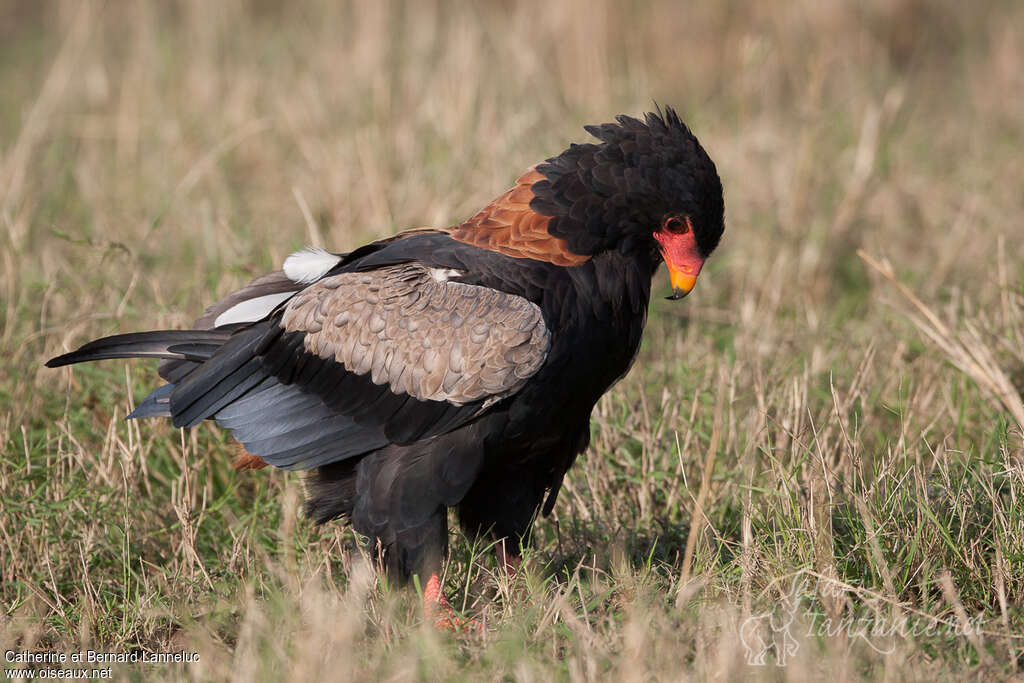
(807, 437)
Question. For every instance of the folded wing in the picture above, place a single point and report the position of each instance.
(358, 360)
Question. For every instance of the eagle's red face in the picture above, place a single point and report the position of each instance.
(647, 190)
(678, 247)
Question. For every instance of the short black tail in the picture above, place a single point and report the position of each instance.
(188, 345)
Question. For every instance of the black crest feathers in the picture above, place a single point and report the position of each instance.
(606, 195)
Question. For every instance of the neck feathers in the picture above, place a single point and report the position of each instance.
(509, 226)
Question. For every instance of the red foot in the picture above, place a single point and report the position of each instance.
(509, 562)
(437, 608)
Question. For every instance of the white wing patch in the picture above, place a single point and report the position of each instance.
(309, 265)
(443, 274)
(251, 310)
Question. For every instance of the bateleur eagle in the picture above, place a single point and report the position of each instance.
(451, 367)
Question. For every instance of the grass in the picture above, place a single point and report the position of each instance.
(826, 436)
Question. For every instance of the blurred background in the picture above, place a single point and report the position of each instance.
(149, 147)
(155, 155)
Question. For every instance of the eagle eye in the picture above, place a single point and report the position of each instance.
(677, 225)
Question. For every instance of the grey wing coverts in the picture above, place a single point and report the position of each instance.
(422, 335)
(421, 355)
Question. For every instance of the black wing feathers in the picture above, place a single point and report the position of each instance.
(401, 418)
(225, 376)
(292, 407)
(158, 344)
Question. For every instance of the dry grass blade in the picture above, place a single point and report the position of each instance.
(698, 517)
(952, 596)
(965, 350)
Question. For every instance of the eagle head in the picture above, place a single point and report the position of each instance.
(647, 188)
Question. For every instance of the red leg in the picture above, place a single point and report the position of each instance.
(437, 608)
(509, 561)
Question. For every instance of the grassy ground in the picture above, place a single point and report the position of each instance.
(820, 450)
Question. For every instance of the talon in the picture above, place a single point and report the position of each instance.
(437, 608)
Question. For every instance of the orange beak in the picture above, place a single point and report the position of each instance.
(682, 279)
(682, 258)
